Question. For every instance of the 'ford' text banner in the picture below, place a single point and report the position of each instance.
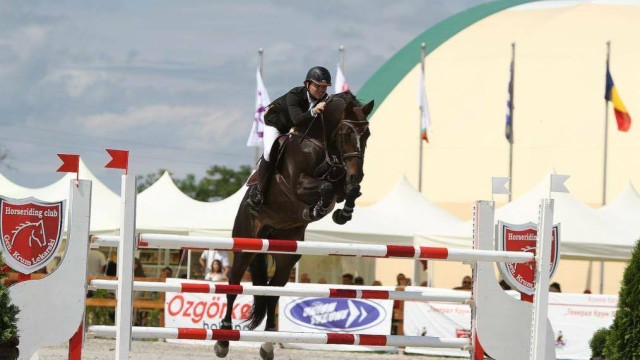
(322, 315)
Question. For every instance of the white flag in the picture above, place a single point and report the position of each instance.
(557, 183)
(499, 185)
(425, 119)
(341, 84)
(262, 101)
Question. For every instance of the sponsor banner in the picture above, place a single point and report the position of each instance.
(322, 315)
(574, 318)
(524, 237)
(196, 310)
(30, 232)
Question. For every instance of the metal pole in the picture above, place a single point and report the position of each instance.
(341, 51)
(422, 56)
(257, 153)
(604, 171)
(511, 90)
(606, 136)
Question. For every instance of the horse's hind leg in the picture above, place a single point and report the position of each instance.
(284, 264)
(241, 261)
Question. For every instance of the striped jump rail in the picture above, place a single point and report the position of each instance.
(284, 337)
(317, 248)
(461, 297)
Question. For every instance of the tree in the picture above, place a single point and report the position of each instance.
(218, 183)
(8, 312)
(623, 341)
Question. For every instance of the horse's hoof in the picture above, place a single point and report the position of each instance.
(221, 351)
(266, 351)
(339, 217)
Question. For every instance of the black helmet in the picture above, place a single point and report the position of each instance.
(319, 75)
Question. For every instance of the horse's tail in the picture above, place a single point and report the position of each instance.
(259, 277)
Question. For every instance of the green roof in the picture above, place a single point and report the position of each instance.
(380, 85)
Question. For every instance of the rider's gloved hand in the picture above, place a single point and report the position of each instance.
(319, 108)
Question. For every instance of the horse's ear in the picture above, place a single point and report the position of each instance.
(367, 108)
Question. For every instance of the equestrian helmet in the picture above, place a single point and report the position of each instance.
(319, 75)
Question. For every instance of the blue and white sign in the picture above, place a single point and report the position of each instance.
(335, 314)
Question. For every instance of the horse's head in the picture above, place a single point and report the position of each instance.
(352, 135)
(350, 138)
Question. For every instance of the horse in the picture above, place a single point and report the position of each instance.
(317, 166)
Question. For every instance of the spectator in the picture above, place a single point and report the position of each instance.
(215, 273)
(358, 280)
(110, 269)
(555, 287)
(95, 262)
(247, 276)
(376, 283)
(504, 285)
(304, 278)
(347, 279)
(166, 273)
(401, 280)
(466, 284)
(138, 270)
(322, 280)
(424, 283)
(207, 257)
(587, 291)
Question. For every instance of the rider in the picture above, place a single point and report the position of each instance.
(297, 107)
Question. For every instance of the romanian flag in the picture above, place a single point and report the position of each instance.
(611, 94)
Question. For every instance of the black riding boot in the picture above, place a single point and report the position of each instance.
(256, 196)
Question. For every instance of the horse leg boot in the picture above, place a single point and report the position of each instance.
(221, 348)
(321, 208)
(257, 194)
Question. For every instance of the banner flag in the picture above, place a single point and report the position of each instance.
(262, 101)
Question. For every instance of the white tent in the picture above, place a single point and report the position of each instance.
(105, 204)
(624, 209)
(393, 220)
(584, 234)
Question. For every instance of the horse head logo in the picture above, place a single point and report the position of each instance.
(30, 231)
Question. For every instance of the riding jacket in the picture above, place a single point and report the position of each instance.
(291, 109)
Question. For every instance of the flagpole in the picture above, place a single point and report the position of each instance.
(606, 136)
(604, 165)
(341, 51)
(513, 69)
(422, 56)
(257, 154)
(417, 265)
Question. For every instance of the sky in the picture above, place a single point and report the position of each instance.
(174, 82)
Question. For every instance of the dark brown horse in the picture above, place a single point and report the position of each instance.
(317, 166)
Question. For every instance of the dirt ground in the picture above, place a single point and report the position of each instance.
(101, 349)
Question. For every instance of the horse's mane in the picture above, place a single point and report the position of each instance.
(349, 98)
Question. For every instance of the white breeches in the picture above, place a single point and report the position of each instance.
(270, 135)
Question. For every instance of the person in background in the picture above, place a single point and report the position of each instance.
(304, 278)
(207, 257)
(247, 276)
(587, 291)
(358, 280)
(555, 287)
(215, 273)
(322, 280)
(95, 262)
(347, 279)
(138, 270)
(166, 273)
(110, 269)
(376, 283)
(401, 280)
(467, 284)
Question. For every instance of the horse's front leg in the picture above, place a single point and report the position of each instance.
(341, 216)
(311, 185)
(241, 261)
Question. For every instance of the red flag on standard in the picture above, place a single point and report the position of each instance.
(70, 163)
(262, 101)
(119, 159)
(341, 84)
